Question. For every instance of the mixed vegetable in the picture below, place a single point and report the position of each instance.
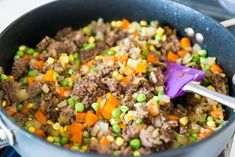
(101, 89)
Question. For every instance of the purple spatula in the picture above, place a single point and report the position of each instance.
(181, 79)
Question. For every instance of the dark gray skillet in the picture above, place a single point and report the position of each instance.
(48, 19)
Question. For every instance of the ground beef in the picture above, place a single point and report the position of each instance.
(63, 33)
(113, 85)
(20, 118)
(44, 43)
(87, 90)
(157, 78)
(57, 47)
(19, 68)
(171, 44)
(220, 83)
(87, 55)
(46, 128)
(66, 114)
(34, 89)
(191, 99)
(111, 38)
(9, 90)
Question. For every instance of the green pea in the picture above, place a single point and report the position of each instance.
(161, 92)
(76, 56)
(137, 105)
(95, 106)
(195, 58)
(77, 62)
(89, 46)
(113, 121)
(194, 135)
(203, 60)
(64, 140)
(92, 70)
(110, 53)
(141, 97)
(56, 76)
(221, 121)
(86, 134)
(202, 53)
(156, 99)
(85, 140)
(30, 51)
(4, 77)
(206, 67)
(44, 51)
(135, 143)
(24, 80)
(124, 108)
(32, 73)
(79, 107)
(56, 139)
(71, 72)
(64, 83)
(210, 118)
(19, 107)
(71, 101)
(205, 82)
(116, 113)
(145, 54)
(20, 53)
(116, 128)
(148, 74)
(139, 121)
(158, 37)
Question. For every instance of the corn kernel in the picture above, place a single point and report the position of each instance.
(119, 77)
(50, 60)
(30, 119)
(121, 96)
(22, 47)
(112, 48)
(71, 58)
(57, 109)
(143, 23)
(164, 37)
(110, 138)
(115, 74)
(4, 103)
(11, 77)
(136, 153)
(84, 148)
(160, 31)
(184, 121)
(50, 139)
(119, 23)
(35, 54)
(65, 128)
(211, 124)
(223, 75)
(152, 48)
(30, 105)
(64, 60)
(63, 54)
(91, 40)
(56, 126)
(74, 147)
(211, 87)
(119, 141)
(144, 48)
(98, 57)
(50, 122)
(113, 23)
(197, 96)
(31, 129)
(128, 117)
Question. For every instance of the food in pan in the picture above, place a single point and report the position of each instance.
(101, 89)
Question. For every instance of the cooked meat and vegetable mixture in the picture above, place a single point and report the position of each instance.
(102, 89)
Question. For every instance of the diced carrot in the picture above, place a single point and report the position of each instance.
(215, 67)
(109, 60)
(40, 133)
(26, 57)
(217, 114)
(99, 100)
(182, 52)
(122, 126)
(50, 76)
(40, 117)
(80, 116)
(173, 117)
(204, 134)
(77, 138)
(129, 71)
(125, 23)
(75, 127)
(172, 57)
(30, 80)
(11, 110)
(125, 80)
(109, 106)
(90, 118)
(123, 58)
(25, 111)
(39, 64)
(61, 91)
(152, 59)
(141, 67)
(136, 33)
(153, 109)
(185, 42)
(104, 141)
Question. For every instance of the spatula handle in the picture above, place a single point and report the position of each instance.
(194, 87)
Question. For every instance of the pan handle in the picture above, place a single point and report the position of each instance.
(6, 136)
(228, 23)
